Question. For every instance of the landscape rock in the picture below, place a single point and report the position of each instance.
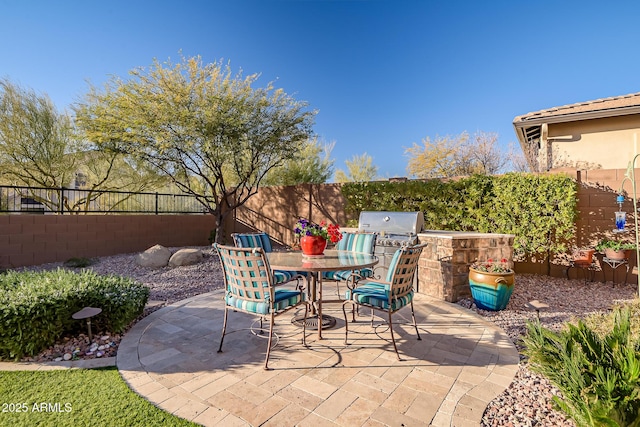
(526, 402)
(155, 257)
(186, 257)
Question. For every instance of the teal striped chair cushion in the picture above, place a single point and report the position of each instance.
(261, 240)
(283, 276)
(252, 240)
(393, 264)
(283, 298)
(377, 295)
(346, 274)
(353, 242)
(357, 242)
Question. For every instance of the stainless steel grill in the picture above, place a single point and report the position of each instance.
(394, 230)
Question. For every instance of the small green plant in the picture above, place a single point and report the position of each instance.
(616, 245)
(212, 237)
(78, 262)
(36, 308)
(491, 266)
(598, 372)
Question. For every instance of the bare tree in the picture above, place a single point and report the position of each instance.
(517, 160)
(486, 157)
(446, 157)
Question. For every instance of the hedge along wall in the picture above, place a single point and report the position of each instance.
(276, 209)
(36, 239)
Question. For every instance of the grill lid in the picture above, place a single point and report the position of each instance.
(387, 222)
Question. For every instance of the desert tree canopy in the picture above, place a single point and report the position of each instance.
(359, 169)
(213, 133)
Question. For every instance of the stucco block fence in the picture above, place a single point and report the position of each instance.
(37, 239)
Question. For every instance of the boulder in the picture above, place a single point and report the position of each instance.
(186, 257)
(154, 257)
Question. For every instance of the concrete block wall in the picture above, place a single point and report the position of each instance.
(38, 239)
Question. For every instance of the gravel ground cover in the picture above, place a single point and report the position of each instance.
(526, 402)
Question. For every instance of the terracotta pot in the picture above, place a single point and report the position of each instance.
(617, 255)
(491, 291)
(583, 256)
(313, 245)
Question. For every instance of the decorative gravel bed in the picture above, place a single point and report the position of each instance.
(526, 402)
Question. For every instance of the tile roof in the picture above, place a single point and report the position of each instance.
(606, 106)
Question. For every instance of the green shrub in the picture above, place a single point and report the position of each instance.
(616, 245)
(78, 262)
(36, 307)
(540, 210)
(598, 372)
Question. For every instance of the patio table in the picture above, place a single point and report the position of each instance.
(332, 260)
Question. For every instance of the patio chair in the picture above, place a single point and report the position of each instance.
(388, 296)
(250, 288)
(353, 242)
(261, 240)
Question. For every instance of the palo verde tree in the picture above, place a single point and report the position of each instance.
(311, 165)
(208, 130)
(359, 169)
(35, 139)
(40, 147)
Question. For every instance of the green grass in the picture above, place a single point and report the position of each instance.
(76, 397)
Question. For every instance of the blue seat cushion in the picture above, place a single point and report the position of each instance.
(283, 276)
(346, 274)
(284, 298)
(357, 242)
(253, 240)
(377, 295)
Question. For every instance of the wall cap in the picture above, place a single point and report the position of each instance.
(461, 234)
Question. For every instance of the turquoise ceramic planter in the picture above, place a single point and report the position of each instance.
(491, 291)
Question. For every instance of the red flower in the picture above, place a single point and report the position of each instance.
(330, 232)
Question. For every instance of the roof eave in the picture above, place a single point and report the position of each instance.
(523, 121)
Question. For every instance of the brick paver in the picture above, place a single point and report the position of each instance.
(448, 378)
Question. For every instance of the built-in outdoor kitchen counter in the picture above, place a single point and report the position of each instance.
(443, 269)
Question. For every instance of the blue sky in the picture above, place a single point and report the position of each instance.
(383, 74)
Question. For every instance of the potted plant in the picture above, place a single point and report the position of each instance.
(313, 237)
(615, 249)
(491, 283)
(583, 257)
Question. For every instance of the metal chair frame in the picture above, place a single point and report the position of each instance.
(262, 240)
(250, 288)
(351, 242)
(397, 288)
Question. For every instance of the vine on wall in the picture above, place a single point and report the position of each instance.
(540, 210)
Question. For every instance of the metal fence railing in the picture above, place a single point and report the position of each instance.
(42, 200)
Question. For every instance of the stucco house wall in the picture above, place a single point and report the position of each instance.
(608, 143)
(598, 134)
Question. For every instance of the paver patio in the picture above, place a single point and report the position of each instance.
(446, 379)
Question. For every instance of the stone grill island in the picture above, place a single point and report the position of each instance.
(443, 269)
